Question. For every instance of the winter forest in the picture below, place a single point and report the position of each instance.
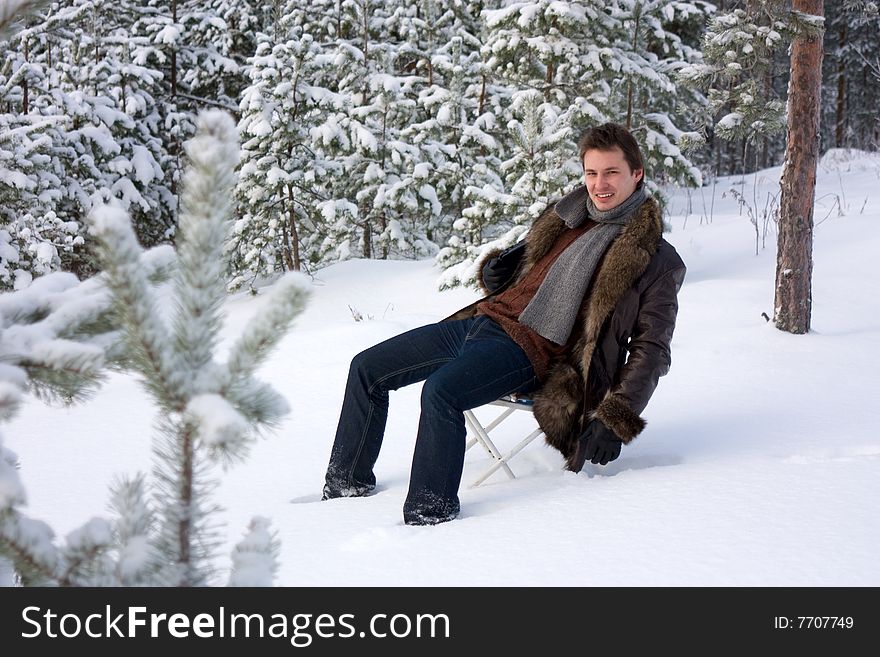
(157, 156)
(388, 129)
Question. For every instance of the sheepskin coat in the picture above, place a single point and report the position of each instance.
(621, 348)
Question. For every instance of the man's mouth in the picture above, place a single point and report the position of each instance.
(605, 195)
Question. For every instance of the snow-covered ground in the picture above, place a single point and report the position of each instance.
(760, 465)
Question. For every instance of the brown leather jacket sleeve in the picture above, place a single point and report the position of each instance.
(649, 357)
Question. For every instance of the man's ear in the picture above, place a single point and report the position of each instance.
(639, 174)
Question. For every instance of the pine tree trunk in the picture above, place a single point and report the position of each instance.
(383, 218)
(629, 90)
(368, 233)
(292, 255)
(184, 526)
(173, 75)
(368, 239)
(174, 146)
(765, 141)
(25, 103)
(794, 258)
(841, 94)
(482, 104)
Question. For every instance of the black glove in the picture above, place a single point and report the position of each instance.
(495, 276)
(500, 269)
(598, 444)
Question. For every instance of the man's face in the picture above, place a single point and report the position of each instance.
(608, 177)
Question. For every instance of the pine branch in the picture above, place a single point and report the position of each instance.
(82, 554)
(137, 308)
(258, 402)
(287, 300)
(136, 560)
(200, 288)
(28, 545)
(208, 101)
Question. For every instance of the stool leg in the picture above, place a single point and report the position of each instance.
(483, 438)
(502, 460)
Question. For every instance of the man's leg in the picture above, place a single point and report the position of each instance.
(489, 366)
(399, 361)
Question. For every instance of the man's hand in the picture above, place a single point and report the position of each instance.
(598, 444)
(495, 275)
(501, 269)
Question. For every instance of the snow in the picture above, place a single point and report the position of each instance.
(145, 166)
(134, 556)
(96, 532)
(168, 34)
(760, 465)
(731, 120)
(46, 252)
(217, 420)
(23, 279)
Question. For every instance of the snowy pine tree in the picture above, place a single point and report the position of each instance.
(461, 135)
(375, 191)
(654, 46)
(540, 160)
(56, 338)
(221, 35)
(738, 48)
(73, 91)
(210, 411)
(280, 179)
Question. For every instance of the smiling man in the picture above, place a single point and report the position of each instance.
(579, 316)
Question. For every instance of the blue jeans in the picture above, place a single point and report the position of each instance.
(465, 364)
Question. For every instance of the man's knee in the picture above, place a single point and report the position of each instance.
(362, 365)
(440, 390)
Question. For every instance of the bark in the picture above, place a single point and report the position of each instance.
(794, 258)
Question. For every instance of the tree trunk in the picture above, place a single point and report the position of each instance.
(368, 240)
(185, 522)
(383, 218)
(765, 141)
(629, 90)
(841, 94)
(482, 105)
(368, 232)
(292, 258)
(173, 75)
(794, 258)
(25, 102)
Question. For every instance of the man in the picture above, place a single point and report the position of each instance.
(579, 316)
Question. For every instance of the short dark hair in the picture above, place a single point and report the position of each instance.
(606, 137)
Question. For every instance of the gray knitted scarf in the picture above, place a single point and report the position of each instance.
(554, 308)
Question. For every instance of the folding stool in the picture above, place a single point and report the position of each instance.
(480, 434)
